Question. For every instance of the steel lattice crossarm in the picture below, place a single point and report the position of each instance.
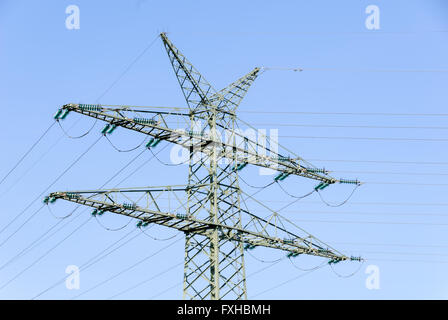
(158, 122)
(148, 204)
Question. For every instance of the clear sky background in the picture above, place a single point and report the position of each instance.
(397, 220)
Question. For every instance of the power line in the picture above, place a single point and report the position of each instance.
(294, 196)
(123, 168)
(133, 62)
(79, 136)
(118, 172)
(287, 281)
(365, 138)
(23, 211)
(126, 269)
(265, 268)
(258, 111)
(252, 186)
(140, 166)
(41, 238)
(145, 281)
(289, 33)
(60, 217)
(278, 144)
(250, 275)
(376, 203)
(342, 202)
(303, 269)
(350, 274)
(363, 70)
(374, 222)
(121, 75)
(360, 203)
(276, 213)
(166, 290)
(425, 214)
(21, 226)
(394, 172)
(407, 261)
(262, 260)
(392, 244)
(43, 256)
(164, 163)
(112, 229)
(158, 239)
(407, 183)
(30, 246)
(394, 114)
(26, 153)
(32, 166)
(382, 161)
(41, 157)
(40, 195)
(125, 150)
(34, 244)
(347, 126)
(93, 260)
(406, 253)
(132, 160)
(100, 256)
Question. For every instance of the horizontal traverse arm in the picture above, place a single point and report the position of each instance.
(264, 233)
(157, 126)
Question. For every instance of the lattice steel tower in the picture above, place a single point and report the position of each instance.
(211, 215)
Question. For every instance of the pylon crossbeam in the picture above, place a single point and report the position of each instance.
(264, 238)
(232, 152)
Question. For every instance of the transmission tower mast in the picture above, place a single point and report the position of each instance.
(211, 215)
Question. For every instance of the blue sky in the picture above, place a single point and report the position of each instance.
(396, 220)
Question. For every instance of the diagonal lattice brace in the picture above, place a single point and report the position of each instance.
(230, 97)
(195, 88)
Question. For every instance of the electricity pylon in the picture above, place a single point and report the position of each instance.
(211, 215)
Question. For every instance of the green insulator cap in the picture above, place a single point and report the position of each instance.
(112, 128)
(57, 114)
(105, 129)
(318, 186)
(148, 145)
(278, 177)
(156, 142)
(64, 114)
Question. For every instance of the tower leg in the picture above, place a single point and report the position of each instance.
(211, 273)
